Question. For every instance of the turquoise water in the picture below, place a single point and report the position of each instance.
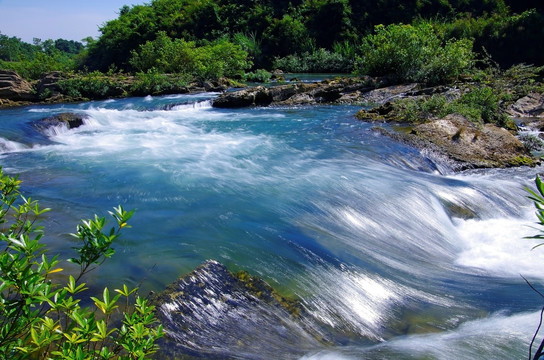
(374, 237)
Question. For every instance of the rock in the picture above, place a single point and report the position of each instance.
(70, 120)
(214, 314)
(325, 92)
(531, 105)
(48, 85)
(15, 88)
(469, 145)
(383, 95)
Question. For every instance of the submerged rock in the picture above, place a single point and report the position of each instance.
(214, 314)
(70, 120)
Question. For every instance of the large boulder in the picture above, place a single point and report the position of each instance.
(15, 88)
(471, 146)
(215, 314)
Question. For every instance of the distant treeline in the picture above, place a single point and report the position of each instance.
(213, 38)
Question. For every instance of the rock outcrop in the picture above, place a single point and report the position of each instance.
(339, 91)
(471, 146)
(15, 88)
(531, 105)
(214, 314)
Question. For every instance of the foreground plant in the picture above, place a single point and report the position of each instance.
(538, 199)
(41, 318)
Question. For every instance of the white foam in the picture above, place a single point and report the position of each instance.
(7, 146)
(498, 247)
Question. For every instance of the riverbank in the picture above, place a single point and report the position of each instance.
(476, 133)
(466, 123)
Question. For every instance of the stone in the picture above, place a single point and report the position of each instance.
(214, 314)
(531, 105)
(48, 84)
(472, 146)
(15, 88)
(70, 120)
(296, 93)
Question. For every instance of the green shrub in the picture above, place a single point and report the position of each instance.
(94, 85)
(414, 53)
(43, 319)
(259, 75)
(317, 61)
(154, 83)
(415, 111)
(41, 63)
(209, 62)
(480, 105)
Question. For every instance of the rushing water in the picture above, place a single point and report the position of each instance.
(383, 244)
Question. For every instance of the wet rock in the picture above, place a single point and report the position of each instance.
(70, 120)
(214, 314)
(15, 88)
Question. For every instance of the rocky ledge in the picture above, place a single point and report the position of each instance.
(14, 88)
(462, 143)
(338, 91)
(215, 314)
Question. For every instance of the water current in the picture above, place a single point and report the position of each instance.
(383, 243)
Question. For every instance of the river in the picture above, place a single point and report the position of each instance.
(378, 240)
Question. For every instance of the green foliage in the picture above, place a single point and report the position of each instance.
(414, 53)
(42, 319)
(94, 85)
(152, 82)
(538, 200)
(260, 75)
(208, 62)
(480, 105)
(39, 65)
(318, 61)
(509, 38)
(31, 61)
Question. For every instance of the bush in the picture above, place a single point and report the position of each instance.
(94, 85)
(259, 75)
(41, 318)
(480, 105)
(154, 83)
(40, 64)
(414, 53)
(318, 61)
(209, 62)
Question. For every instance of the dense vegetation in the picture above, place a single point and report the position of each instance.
(440, 39)
(42, 316)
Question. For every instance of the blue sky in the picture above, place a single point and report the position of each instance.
(54, 19)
